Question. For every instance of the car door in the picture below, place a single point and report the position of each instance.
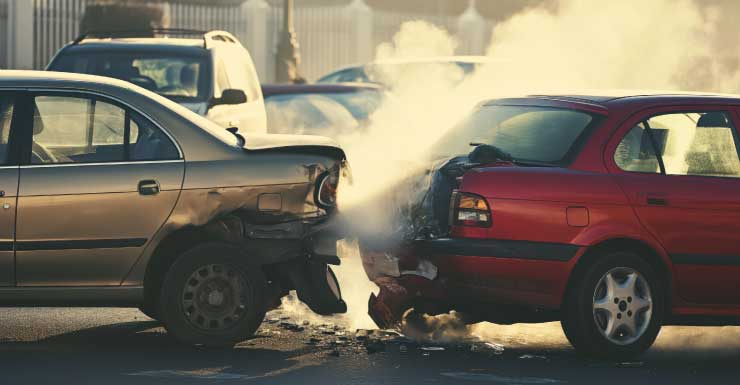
(681, 171)
(234, 70)
(8, 185)
(97, 180)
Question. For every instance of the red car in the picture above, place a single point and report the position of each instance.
(615, 214)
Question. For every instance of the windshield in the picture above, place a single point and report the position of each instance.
(529, 134)
(325, 114)
(180, 78)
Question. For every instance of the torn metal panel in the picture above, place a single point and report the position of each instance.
(418, 208)
(290, 173)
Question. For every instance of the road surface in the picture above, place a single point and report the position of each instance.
(122, 346)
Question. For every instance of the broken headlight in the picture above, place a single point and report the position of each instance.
(470, 210)
(326, 193)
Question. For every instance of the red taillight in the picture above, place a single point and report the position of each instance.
(470, 210)
(326, 192)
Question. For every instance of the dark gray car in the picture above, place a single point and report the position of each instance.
(112, 195)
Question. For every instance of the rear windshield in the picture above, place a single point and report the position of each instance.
(180, 78)
(529, 134)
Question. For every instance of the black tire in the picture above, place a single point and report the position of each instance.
(581, 324)
(150, 312)
(193, 277)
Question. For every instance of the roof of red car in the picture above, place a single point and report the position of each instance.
(605, 101)
(610, 97)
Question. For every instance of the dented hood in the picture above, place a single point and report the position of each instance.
(256, 142)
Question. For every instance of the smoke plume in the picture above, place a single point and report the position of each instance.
(557, 46)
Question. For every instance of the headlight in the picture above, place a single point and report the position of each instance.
(326, 193)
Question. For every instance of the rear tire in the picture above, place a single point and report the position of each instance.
(615, 307)
(149, 312)
(211, 297)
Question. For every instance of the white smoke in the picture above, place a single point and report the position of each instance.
(558, 46)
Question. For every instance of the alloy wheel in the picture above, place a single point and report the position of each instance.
(622, 305)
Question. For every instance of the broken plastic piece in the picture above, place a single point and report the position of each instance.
(497, 348)
(424, 269)
(433, 349)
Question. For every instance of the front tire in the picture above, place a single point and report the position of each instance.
(211, 297)
(615, 307)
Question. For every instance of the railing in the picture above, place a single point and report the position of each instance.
(31, 31)
(3, 34)
(207, 17)
(56, 22)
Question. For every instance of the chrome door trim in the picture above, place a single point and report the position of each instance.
(102, 94)
(133, 162)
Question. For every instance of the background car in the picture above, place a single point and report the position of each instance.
(115, 196)
(210, 73)
(320, 109)
(381, 70)
(613, 213)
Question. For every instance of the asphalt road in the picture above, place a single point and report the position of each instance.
(122, 346)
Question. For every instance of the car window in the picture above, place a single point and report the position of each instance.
(636, 153)
(6, 117)
(71, 129)
(147, 142)
(699, 144)
(182, 78)
(544, 135)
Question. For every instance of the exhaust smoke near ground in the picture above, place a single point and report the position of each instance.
(557, 46)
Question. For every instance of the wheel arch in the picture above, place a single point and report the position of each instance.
(658, 261)
(169, 249)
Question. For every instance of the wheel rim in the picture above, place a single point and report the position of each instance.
(214, 297)
(622, 305)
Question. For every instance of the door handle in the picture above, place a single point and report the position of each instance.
(656, 200)
(148, 187)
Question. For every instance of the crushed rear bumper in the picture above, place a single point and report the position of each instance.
(493, 280)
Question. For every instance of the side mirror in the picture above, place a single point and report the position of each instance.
(230, 96)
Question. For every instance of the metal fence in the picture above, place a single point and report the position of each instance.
(4, 27)
(207, 17)
(327, 37)
(55, 22)
(331, 36)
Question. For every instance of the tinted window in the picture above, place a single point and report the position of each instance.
(6, 117)
(182, 78)
(148, 142)
(701, 144)
(636, 153)
(535, 134)
(70, 129)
